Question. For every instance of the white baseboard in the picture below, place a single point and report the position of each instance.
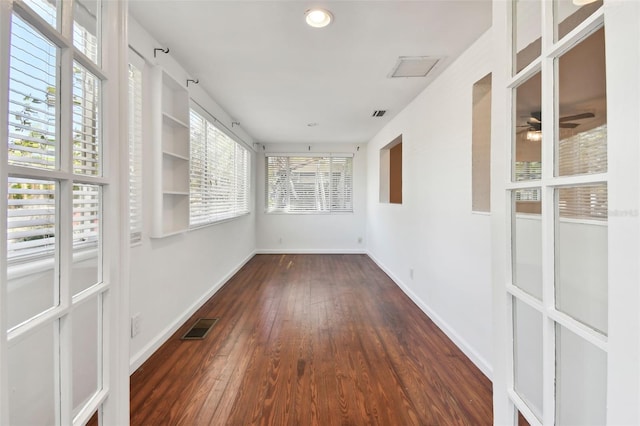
(460, 342)
(311, 251)
(139, 358)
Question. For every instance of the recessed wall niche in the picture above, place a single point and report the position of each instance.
(391, 172)
(481, 146)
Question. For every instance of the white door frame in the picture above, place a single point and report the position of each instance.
(113, 401)
(622, 344)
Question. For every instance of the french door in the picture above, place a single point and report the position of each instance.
(556, 361)
(60, 210)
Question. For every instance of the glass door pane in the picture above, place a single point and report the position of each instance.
(527, 355)
(526, 241)
(527, 32)
(568, 14)
(581, 147)
(32, 286)
(527, 135)
(86, 352)
(32, 383)
(581, 254)
(87, 247)
(581, 381)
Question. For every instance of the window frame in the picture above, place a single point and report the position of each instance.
(66, 302)
(240, 207)
(329, 201)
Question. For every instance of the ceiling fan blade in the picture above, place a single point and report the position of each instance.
(577, 117)
(535, 125)
(568, 125)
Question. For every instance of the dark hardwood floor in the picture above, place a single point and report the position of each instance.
(311, 340)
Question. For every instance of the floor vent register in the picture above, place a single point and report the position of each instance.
(200, 329)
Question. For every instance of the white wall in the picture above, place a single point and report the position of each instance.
(434, 233)
(172, 277)
(313, 233)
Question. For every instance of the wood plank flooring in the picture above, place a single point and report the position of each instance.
(311, 340)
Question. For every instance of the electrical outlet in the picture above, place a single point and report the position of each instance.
(411, 273)
(280, 240)
(359, 240)
(135, 325)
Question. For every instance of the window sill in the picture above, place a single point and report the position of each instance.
(217, 222)
(21, 269)
(308, 213)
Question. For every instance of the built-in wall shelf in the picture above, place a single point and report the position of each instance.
(173, 121)
(170, 116)
(175, 155)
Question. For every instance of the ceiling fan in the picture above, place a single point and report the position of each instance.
(535, 121)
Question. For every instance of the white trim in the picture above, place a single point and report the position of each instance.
(317, 213)
(143, 354)
(590, 335)
(309, 154)
(42, 26)
(115, 300)
(559, 181)
(217, 222)
(523, 408)
(50, 174)
(85, 414)
(5, 41)
(87, 63)
(501, 208)
(451, 333)
(622, 44)
(311, 251)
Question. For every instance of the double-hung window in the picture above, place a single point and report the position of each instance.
(219, 173)
(309, 184)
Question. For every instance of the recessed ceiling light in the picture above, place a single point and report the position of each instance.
(318, 18)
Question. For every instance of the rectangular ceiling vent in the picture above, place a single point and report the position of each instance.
(379, 113)
(413, 66)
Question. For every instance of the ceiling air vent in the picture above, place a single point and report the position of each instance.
(379, 113)
(413, 66)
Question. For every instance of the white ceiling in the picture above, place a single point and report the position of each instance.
(274, 74)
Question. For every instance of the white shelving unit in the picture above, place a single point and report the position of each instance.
(170, 112)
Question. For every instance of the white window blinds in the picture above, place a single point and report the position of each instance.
(583, 153)
(34, 124)
(219, 174)
(33, 107)
(31, 221)
(86, 215)
(135, 153)
(86, 122)
(305, 184)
